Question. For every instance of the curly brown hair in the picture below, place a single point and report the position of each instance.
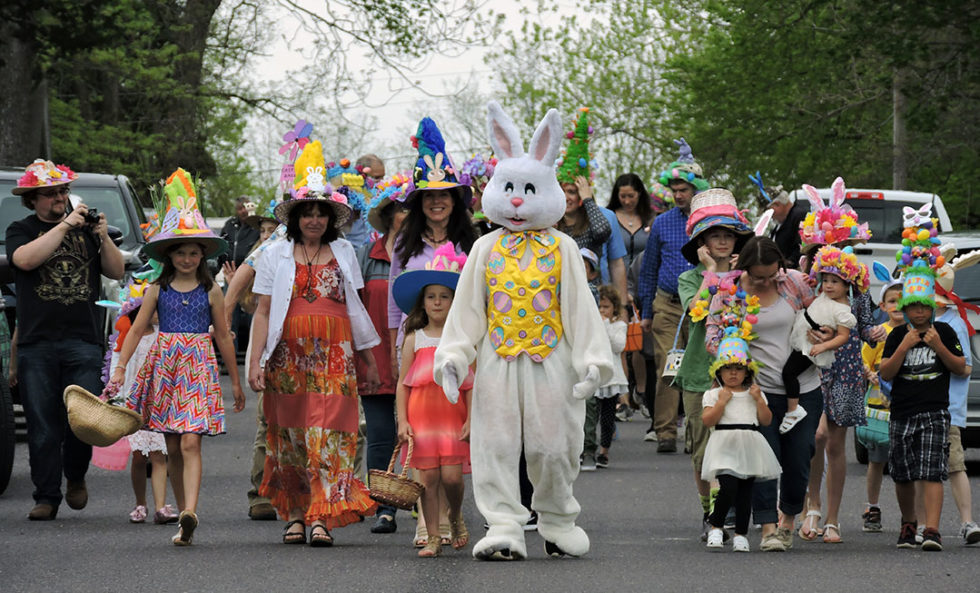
(609, 292)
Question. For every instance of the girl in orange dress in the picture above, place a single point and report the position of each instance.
(440, 429)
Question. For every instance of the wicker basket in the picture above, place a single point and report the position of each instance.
(397, 490)
(95, 422)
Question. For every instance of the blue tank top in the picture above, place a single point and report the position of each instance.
(184, 312)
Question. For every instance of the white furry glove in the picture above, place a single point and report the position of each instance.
(450, 383)
(587, 386)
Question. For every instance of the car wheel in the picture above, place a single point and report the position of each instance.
(7, 439)
(860, 451)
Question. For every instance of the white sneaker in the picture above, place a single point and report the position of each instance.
(716, 539)
(970, 533)
(650, 436)
(791, 419)
(740, 543)
(588, 463)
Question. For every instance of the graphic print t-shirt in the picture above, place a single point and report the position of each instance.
(56, 300)
(922, 383)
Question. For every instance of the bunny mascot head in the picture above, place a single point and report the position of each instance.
(524, 314)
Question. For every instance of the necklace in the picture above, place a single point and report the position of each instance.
(431, 236)
(308, 293)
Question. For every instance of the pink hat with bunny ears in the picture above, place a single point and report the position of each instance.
(834, 225)
(183, 222)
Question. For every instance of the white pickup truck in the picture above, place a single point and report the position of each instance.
(882, 210)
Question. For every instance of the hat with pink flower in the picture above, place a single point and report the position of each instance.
(836, 224)
(843, 264)
(41, 174)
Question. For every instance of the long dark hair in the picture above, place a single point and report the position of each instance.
(292, 222)
(760, 251)
(643, 203)
(417, 318)
(169, 272)
(459, 230)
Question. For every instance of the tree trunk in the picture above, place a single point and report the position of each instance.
(21, 104)
(899, 134)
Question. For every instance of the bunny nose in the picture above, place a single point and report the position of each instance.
(517, 202)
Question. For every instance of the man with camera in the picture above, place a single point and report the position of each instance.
(58, 254)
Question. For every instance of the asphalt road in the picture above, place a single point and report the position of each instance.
(641, 514)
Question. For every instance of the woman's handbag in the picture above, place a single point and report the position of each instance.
(634, 334)
(397, 490)
(675, 355)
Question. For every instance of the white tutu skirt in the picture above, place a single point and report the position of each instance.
(614, 390)
(740, 453)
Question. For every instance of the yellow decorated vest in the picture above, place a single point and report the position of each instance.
(523, 309)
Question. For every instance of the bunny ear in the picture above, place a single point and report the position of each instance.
(428, 161)
(547, 138)
(504, 137)
(760, 227)
(439, 157)
(191, 203)
(816, 204)
(881, 272)
(838, 187)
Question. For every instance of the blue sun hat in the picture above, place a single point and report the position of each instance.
(434, 169)
(444, 270)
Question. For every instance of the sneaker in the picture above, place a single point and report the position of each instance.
(907, 536)
(715, 539)
(601, 460)
(740, 544)
(932, 541)
(165, 515)
(138, 514)
(919, 531)
(667, 446)
(791, 419)
(532, 523)
(772, 543)
(587, 463)
(624, 413)
(872, 520)
(970, 533)
(785, 536)
(651, 436)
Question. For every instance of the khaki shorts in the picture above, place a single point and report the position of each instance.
(957, 460)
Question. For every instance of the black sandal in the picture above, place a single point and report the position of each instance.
(320, 541)
(294, 537)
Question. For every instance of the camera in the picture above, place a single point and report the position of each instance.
(92, 216)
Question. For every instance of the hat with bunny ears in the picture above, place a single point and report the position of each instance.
(920, 258)
(443, 269)
(434, 170)
(183, 222)
(836, 224)
(311, 186)
(685, 168)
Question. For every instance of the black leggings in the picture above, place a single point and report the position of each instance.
(794, 367)
(607, 420)
(733, 491)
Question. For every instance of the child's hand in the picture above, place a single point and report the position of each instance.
(817, 349)
(932, 338)
(756, 393)
(911, 338)
(704, 256)
(725, 395)
(239, 397)
(878, 334)
(464, 434)
(404, 431)
(118, 376)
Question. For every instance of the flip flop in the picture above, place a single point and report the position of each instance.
(810, 529)
(831, 534)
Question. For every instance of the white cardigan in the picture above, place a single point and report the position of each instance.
(275, 275)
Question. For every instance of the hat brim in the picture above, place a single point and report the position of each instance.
(374, 215)
(465, 192)
(19, 191)
(408, 285)
(342, 212)
(213, 246)
(690, 249)
(255, 221)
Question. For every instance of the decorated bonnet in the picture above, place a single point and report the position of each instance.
(183, 222)
(843, 264)
(576, 160)
(477, 172)
(434, 169)
(920, 257)
(310, 185)
(684, 169)
(738, 314)
(443, 269)
(835, 224)
(41, 174)
(392, 189)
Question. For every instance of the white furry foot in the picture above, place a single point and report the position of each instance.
(499, 548)
(572, 542)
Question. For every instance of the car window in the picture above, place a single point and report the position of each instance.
(967, 284)
(884, 218)
(108, 201)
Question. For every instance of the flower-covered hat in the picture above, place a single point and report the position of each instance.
(41, 174)
(738, 314)
(477, 172)
(434, 169)
(843, 264)
(576, 160)
(685, 169)
(660, 197)
(920, 257)
(311, 185)
(183, 222)
(714, 208)
(393, 189)
(444, 270)
(833, 225)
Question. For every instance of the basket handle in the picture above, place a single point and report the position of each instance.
(408, 457)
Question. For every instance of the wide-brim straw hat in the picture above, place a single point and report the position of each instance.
(336, 201)
(43, 174)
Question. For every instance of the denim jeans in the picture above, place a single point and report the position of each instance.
(44, 370)
(382, 430)
(794, 450)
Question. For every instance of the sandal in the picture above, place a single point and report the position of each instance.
(294, 537)
(318, 539)
(433, 547)
(460, 536)
(810, 529)
(185, 533)
(791, 419)
(831, 534)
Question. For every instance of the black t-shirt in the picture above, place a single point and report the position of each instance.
(922, 383)
(56, 300)
(241, 238)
